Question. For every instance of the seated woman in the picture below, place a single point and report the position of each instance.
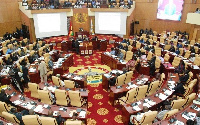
(130, 65)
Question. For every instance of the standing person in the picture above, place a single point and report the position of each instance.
(25, 75)
(43, 71)
(77, 46)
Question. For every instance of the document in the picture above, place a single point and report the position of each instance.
(136, 108)
(39, 108)
(82, 114)
(162, 96)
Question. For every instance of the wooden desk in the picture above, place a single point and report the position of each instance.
(86, 49)
(144, 68)
(117, 93)
(165, 68)
(65, 65)
(34, 76)
(103, 45)
(81, 34)
(127, 109)
(64, 114)
(177, 116)
(81, 83)
(96, 44)
(111, 62)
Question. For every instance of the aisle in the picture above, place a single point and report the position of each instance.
(100, 111)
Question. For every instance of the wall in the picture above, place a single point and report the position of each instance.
(80, 19)
(9, 16)
(145, 13)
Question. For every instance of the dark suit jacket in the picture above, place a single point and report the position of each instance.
(59, 120)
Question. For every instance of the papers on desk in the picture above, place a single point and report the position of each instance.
(39, 108)
(171, 67)
(149, 102)
(195, 67)
(32, 70)
(196, 102)
(136, 108)
(71, 113)
(145, 79)
(189, 115)
(55, 113)
(162, 96)
(17, 102)
(178, 123)
(107, 75)
(168, 92)
(131, 86)
(123, 62)
(107, 53)
(172, 76)
(28, 105)
(51, 88)
(171, 82)
(147, 105)
(115, 71)
(82, 114)
(77, 78)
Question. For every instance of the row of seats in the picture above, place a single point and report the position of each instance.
(124, 78)
(36, 120)
(61, 96)
(140, 92)
(149, 117)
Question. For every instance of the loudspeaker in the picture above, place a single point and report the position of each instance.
(137, 22)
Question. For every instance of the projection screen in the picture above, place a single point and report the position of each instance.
(110, 22)
(51, 24)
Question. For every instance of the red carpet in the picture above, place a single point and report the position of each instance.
(100, 112)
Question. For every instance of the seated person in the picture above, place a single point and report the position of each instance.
(192, 49)
(121, 2)
(185, 77)
(14, 57)
(59, 119)
(152, 66)
(172, 49)
(152, 49)
(17, 114)
(179, 45)
(139, 115)
(9, 61)
(130, 65)
(22, 52)
(35, 56)
(23, 43)
(112, 81)
(124, 40)
(120, 55)
(9, 51)
(197, 10)
(162, 113)
(141, 40)
(197, 119)
(4, 97)
(146, 47)
(181, 68)
(93, 3)
(112, 52)
(179, 89)
(125, 48)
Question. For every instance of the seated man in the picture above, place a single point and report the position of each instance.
(17, 114)
(162, 113)
(172, 49)
(139, 115)
(112, 81)
(120, 55)
(9, 51)
(4, 98)
(185, 77)
(112, 52)
(9, 61)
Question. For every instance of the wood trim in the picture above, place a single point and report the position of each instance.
(108, 10)
(50, 11)
(195, 33)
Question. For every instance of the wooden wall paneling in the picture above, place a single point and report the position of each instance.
(78, 16)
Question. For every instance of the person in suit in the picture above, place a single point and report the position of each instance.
(192, 49)
(9, 61)
(4, 97)
(22, 52)
(17, 114)
(172, 49)
(14, 57)
(112, 81)
(43, 71)
(77, 46)
(185, 77)
(152, 66)
(179, 89)
(59, 119)
(25, 75)
(50, 63)
(181, 68)
(35, 56)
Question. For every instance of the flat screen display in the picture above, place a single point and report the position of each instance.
(170, 9)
